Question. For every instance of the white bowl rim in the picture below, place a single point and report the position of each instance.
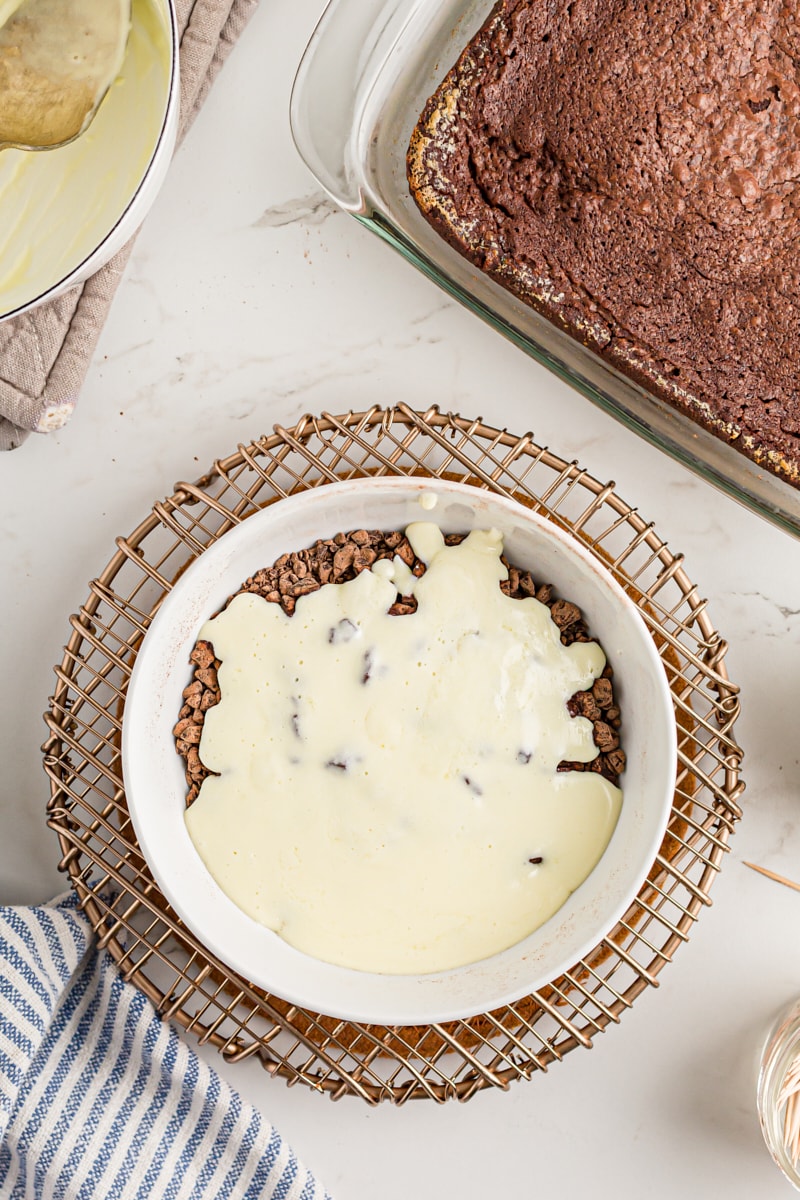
(94, 259)
(418, 1010)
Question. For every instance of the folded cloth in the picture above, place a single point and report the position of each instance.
(100, 1098)
(45, 353)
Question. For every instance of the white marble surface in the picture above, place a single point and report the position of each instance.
(249, 301)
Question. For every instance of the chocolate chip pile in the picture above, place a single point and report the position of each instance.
(338, 559)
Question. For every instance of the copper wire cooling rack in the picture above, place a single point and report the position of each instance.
(88, 811)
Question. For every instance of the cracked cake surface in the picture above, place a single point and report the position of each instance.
(630, 169)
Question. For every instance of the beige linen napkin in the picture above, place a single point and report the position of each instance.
(45, 353)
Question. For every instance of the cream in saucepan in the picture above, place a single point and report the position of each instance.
(57, 206)
(387, 795)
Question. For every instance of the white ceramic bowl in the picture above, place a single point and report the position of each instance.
(64, 213)
(156, 789)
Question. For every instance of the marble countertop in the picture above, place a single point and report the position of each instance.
(249, 300)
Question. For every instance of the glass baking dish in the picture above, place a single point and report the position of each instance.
(361, 85)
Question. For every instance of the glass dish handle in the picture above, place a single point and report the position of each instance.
(350, 46)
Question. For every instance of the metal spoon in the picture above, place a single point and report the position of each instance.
(58, 58)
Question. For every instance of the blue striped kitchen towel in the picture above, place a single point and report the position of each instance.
(99, 1098)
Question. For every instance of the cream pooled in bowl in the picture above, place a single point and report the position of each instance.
(386, 793)
(65, 212)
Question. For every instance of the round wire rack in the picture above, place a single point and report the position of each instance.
(88, 811)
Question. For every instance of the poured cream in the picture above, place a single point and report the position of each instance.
(56, 206)
(383, 782)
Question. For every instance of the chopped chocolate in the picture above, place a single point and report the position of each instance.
(188, 732)
(343, 558)
(616, 761)
(605, 737)
(369, 663)
(203, 655)
(583, 704)
(404, 606)
(565, 613)
(603, 692)
(345, 631)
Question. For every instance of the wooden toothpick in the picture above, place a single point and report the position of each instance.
(772, 875)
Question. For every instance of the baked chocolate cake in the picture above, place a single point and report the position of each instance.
(630, 169)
